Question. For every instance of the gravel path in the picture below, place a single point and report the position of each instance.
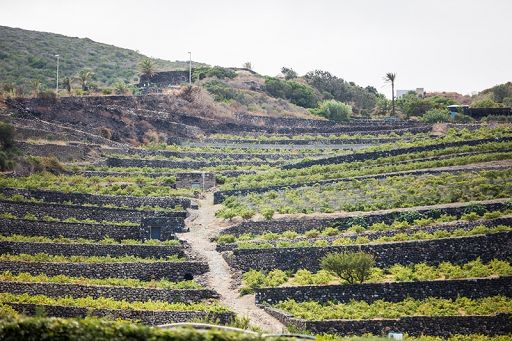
(203, 226)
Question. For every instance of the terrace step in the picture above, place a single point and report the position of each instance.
(145, 316)
(89, 250)
(175, 271)
(390, 292)
(392, 152)
(115, 292)
(83, 198)
(302, 224)
(456, 250)
(444, 326)
(220, 196)
(9, 227)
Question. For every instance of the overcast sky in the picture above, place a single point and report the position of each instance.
(451, 45)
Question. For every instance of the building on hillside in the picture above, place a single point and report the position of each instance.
(195, 180)
(420, 92)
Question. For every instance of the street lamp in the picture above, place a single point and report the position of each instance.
(190, 68)
(57, 85)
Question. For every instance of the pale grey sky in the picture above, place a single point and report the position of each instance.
(451, 45)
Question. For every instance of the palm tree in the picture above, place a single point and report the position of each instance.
(84, 76)
(147, 67)
(66, 82)
(36, 86)
(390, 78)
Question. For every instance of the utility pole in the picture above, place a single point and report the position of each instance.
(190, 68)
(57, 85)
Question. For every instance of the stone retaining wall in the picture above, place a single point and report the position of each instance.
(372, 235)
(219, 197)
(68, 152)
(392, 152)
(117, 162)
(61, 211)
(69, 230)
(303, 225)
(174, 271)
(457, 250)
(83, 198)
(414, 325)
(89, 250)
(115, 292)
(145, 316)
(391, 292)
(206, 155)
(34, 128)
(318, 142)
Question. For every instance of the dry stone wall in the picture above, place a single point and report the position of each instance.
(115, 292)
(145, 316)
(457, 250)
(83, 198)
(391, 152)
(220, 196)
(303, 225)
(63, 152)
(68, 230)
(175, 271)
(415, 325)
(60, 211)
(391, 292)
(117, 162)
(89, 250)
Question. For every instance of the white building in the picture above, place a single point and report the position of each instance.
(420, 92)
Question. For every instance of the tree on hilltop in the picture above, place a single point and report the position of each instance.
(147, 67)
(390, 78)
(84, 76)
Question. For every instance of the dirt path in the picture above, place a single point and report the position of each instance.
(203, 226)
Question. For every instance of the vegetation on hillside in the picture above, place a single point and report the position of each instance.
(27, 59)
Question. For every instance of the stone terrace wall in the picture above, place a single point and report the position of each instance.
(303, 225)
(318, 123)
(209, 155)
(114, 292)
(60, 211)
(89, 250)
(117, 162)
(69, 230)
(31, 127)
(391, 292)
(145, 316)
(220, 196)
(391, 152)
(302, 142)
(175, 271)
(372, 235)
(458, 250)
(66, 152)
(82, 198)
(414, 326)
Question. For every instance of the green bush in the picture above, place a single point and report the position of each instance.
(350, 266)
(300, 94)
(216, 71)
(221, 91)
(436, 116)
(333, 110)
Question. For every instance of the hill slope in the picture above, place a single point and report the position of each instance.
(27, 56)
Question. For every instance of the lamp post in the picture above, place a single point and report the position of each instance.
(57, 85)
(190, 68)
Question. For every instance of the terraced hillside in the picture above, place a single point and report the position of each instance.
(142, 233)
